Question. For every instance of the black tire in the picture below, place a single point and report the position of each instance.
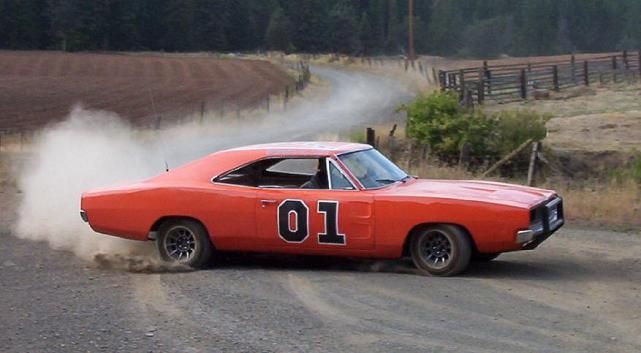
(443, 250)
(185, 242)
(485, 257)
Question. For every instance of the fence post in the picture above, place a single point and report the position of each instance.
(614, 62)
(202, 111)
(532, 168)
(464, 156)
(488, 77)
(523, 84)
(586, 73)
(370, 136)
(462, 83)
(573, 62)
(626, 65)
(555, 77)
(639, 58)
(286, 98)
(393, 145)
(481, 87)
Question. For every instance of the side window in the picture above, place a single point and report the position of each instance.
(290, 173)
(247, 176)
(297, 166)
(339, 181)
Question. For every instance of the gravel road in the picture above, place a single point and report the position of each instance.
(579, 292)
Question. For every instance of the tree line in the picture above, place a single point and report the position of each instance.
(471, 28)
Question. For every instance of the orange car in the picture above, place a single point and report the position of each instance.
(323, 198)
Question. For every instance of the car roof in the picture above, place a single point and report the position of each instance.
(303, 148)
(223, 161)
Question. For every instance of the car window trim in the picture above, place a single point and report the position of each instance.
(340, 170)
(327, 158)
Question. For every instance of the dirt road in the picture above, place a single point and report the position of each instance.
(579, 292)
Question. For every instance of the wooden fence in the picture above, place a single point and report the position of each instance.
(513, 82)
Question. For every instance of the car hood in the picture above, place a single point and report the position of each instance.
(473, 190)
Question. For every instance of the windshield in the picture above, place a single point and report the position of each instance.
(372, 169)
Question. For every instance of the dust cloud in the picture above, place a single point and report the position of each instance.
(93, 149)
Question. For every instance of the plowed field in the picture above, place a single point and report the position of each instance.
(40, 87)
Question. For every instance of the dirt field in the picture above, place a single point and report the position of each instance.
(39, 87)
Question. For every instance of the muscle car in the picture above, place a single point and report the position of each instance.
(322, 198)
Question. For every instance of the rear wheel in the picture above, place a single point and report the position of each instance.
(186, 242)
(443, 250)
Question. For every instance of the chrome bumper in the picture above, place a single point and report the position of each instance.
(546, 219)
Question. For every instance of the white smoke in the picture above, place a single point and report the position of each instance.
(96, 149)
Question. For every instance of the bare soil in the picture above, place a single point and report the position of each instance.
(40, 87)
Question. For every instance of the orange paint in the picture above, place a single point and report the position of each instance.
(375, 222)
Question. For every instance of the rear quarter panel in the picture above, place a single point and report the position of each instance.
(131, 213)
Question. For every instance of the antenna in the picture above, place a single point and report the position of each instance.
(153, 107)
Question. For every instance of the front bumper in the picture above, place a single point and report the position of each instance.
(545, 219)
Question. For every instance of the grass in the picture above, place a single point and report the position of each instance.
(594, 203)
(611, 206)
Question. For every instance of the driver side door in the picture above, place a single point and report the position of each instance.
(336, 219)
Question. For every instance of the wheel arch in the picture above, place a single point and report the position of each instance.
(419, 227)
(156, 225)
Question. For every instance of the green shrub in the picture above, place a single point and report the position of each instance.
(630, 172)
(517, 126)
(358, 136)
(441, 122)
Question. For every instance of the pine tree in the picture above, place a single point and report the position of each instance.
(310, 25)
(343, 29)
(537, 30)
(365, 35)
(445, 27)
(277, 36)
(179, 16)
(392, 43)
(211, 25)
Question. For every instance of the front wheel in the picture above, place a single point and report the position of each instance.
(443, 250)
(185, 242)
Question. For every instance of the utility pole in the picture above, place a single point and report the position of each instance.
(410, 47)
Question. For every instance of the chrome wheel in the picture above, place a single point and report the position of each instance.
(180, 243)
(436, 249)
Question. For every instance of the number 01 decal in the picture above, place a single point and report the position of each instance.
(293, 222)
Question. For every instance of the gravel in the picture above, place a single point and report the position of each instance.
(579, 292)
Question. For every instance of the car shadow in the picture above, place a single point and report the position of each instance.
(237, 261)
(541, 269)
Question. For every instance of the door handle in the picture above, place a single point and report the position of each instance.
(265, 203)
